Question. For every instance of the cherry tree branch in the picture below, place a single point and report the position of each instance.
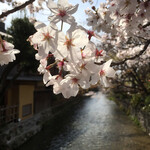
(146, 25)
(130, 58)
(5, 14)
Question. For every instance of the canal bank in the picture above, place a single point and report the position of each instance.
(95, 123)
(15, 134)
(139, 114)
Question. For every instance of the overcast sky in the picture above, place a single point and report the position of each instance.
(42, 16)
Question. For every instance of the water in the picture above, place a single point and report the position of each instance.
(93, 124)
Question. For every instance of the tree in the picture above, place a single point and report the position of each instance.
(25, 62)
(20, 30)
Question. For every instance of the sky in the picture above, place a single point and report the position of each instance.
(42, 16)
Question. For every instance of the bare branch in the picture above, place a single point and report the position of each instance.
(5, 14)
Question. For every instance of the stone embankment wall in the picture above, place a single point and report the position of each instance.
(15, 134)
(142, 117)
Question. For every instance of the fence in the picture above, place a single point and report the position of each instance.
(8, 114)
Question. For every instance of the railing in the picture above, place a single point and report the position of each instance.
(8, 114)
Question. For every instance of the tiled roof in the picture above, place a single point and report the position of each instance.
(27, 78)
(3, 31)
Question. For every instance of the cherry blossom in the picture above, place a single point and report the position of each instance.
(62, 11)
(69, 45)
(70, 85)
(44, 39)
(55, 81)
(104, 72)
(7, 52)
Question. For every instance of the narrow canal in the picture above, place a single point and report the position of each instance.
(93, 124)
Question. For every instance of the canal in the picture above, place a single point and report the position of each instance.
(94, 123)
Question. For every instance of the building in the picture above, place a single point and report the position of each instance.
(25, 96)
(2, 30)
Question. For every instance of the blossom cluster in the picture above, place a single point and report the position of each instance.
(7, 52)
(74, 52)
(80, 63)
(122, 19)
(126, 26)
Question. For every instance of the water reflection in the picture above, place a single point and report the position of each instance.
(93, 124)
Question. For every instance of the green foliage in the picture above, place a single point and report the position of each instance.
(140, 99)
(117, 96)
(146, 108)
(136, 99)
(147, 100)
(20, 30)
(148, 85)
(135, 120)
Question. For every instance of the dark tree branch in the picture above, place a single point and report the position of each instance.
(146, 25)
(141, 84)
(5, 14)
(130, 58)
